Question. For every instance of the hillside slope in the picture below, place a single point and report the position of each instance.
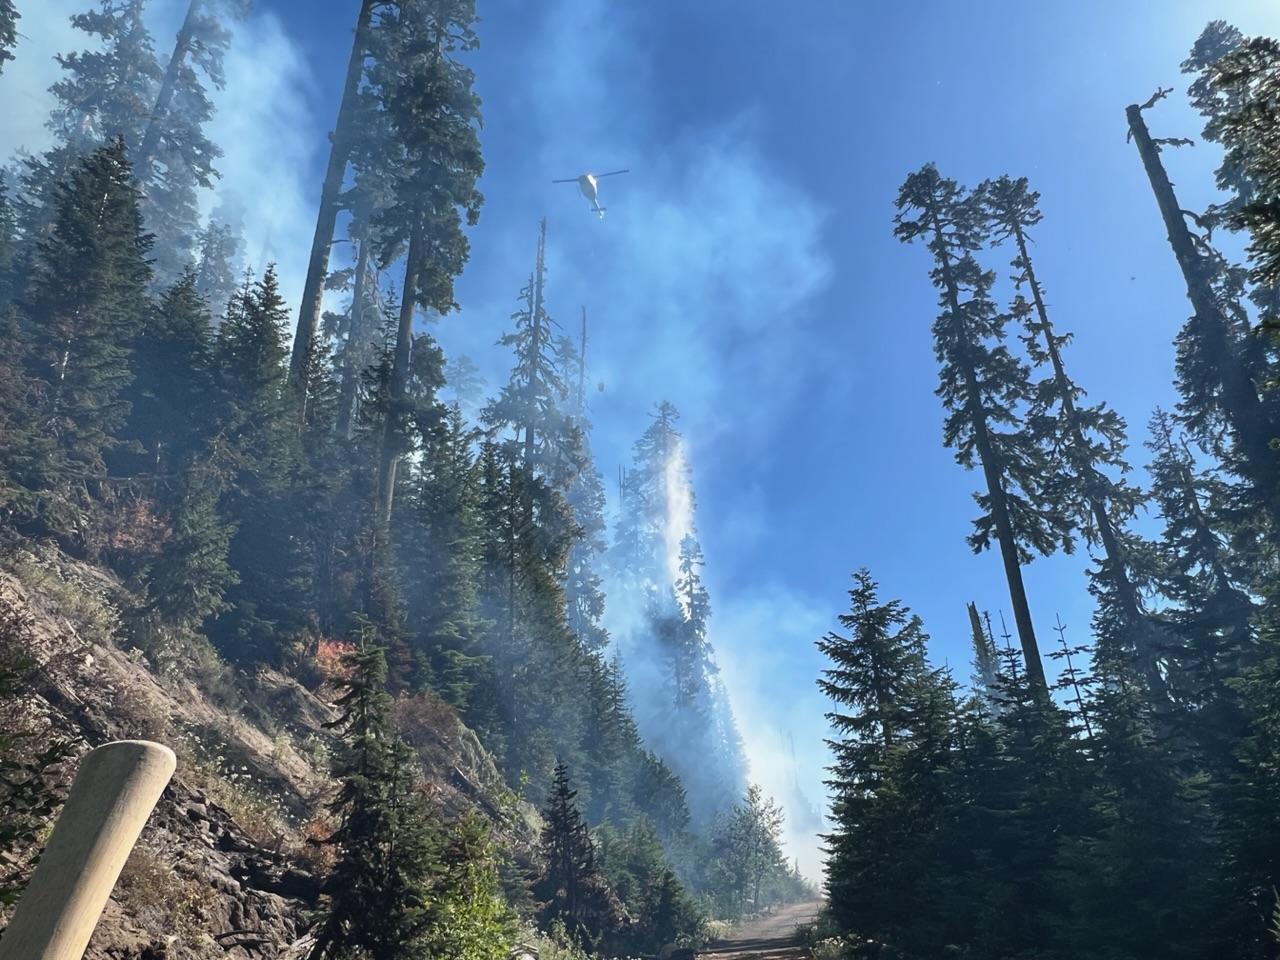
(224, 867)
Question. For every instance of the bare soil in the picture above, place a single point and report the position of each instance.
(772, 937)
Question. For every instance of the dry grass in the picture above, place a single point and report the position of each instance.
(150, 889)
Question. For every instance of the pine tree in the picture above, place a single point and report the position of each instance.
(572, 887)
(8, 31)
(1087, 441)
(86, 303)
(873, 673)
(440, 554)
(1219, 363)
(983, 387)
(218, 264)
(434, 113)
(171, 395)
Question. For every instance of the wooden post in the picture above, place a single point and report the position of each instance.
(114, 793)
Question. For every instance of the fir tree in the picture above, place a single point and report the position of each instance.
(189, 580)
(873, 673)
(87, 302)
(572, 887)
(426, 90)
(172, 391)
(1204, 578)
(380, 896)
(267, 606)
(218, 264)
(8, 31)
(440, 551)
(983, 387)
(1219, 363)
(1087, 441)
(533, 403)
(341, 142)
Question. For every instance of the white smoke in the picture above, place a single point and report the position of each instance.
(679, 512)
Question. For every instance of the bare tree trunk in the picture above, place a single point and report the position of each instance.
(1117, 564)
(531, 388)
(355, 334)
(391, 433)
(327, 214)
(991, 470)
(1240, 399)
(151, 137)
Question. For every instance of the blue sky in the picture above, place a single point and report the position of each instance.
(746, 269)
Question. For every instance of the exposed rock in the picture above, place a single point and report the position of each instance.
(223, 868)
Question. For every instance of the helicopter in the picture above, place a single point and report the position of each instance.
(589, 184)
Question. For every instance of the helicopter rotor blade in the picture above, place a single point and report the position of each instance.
(569, 180)
(611, 173)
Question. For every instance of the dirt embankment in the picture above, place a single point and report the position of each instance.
(223, 868)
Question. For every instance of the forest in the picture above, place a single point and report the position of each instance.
(296, 493)
(307, 545)
(1116, 797)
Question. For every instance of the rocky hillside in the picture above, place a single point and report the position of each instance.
(224, 868)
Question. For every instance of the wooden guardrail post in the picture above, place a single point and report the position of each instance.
(114, 792)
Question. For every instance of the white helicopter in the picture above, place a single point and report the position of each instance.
(589, 184)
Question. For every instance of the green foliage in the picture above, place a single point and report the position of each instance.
(406, 883)
(8, 30)
(85, 305)
(573, 890)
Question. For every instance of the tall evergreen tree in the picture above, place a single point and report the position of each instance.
(1087, 442)
(8, 31)
(86, 303)
(983, 386)
(1220, 366)
(341, 142)
(171, 396)
(573, 889)
(434, 112)
(380, 896)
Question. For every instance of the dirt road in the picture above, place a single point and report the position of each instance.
(767, 938)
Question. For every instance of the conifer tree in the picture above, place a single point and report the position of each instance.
(218, 264)
(267, 606)
(8, 31)
(1150, 828)
(109, 91)
(1087, 441)
(1202, 572)
(86, 303)
(532, 405)
(874, 669)
(341, 140)
(586, 499)
(190, 578)
(983, 386)
(378, 893)
(440, 553)
(1218, 359)
(572, 888)
(434, 114)
(171, 396)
